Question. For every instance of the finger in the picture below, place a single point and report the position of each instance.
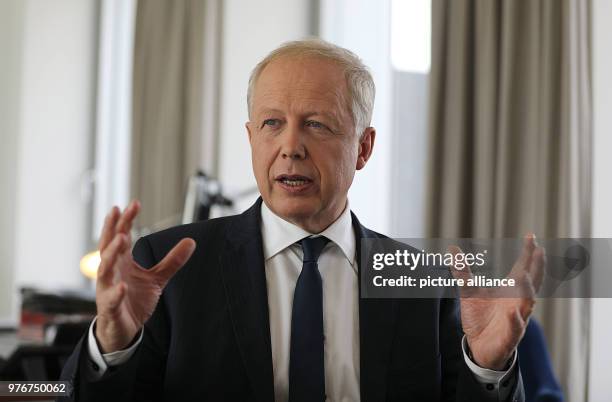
(112, 299)
(522, 264)
(174, 260)
(464, 272)
(124, 225)
(108, 230)
(526, 307)
(108, 258)
(517, 322)
(537, 268)
(525, 288)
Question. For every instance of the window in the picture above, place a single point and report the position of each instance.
(114, 107)
(411, 35)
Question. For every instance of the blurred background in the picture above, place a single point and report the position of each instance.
(493, 119)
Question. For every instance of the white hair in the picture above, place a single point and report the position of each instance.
(358, 78)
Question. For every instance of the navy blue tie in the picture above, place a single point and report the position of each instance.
(306, 367)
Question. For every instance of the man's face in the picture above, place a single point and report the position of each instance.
(304, 146)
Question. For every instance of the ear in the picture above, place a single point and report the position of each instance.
(366, 144)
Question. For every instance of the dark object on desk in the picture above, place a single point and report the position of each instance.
(51, 324)
(538, 377)
(58, 302)
(43, 311)
(43, 362)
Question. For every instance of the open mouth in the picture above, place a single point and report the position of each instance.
(293, 181)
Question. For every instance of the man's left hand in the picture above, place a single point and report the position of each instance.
(494, 325)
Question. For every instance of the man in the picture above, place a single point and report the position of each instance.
(266, 306)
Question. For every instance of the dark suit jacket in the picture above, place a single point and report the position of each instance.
(209, 337)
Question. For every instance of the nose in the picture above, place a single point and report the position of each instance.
(292, 143)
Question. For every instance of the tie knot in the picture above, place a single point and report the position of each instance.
(312, 247)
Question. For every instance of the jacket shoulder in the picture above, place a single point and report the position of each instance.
(211, 226)
(211, 232)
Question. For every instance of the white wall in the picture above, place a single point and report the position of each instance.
(409, 150)
(601, 329)
(11, 26)
(251, 29)
(52, 105)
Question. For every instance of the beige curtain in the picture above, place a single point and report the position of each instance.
(168, 95)
(510, 139)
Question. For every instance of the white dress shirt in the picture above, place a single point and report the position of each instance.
(338, 267)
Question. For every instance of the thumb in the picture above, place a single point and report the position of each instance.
(175, 259)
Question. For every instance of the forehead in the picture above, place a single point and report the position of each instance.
(301, 82)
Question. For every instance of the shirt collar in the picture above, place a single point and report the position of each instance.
(278, 234)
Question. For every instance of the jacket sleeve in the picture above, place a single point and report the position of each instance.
(458, 382)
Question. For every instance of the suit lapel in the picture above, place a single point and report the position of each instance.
(243, 272)
(376, 331)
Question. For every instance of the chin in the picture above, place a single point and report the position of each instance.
(294, 208)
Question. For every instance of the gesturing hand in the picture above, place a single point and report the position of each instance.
(126, 293)
(494, 325)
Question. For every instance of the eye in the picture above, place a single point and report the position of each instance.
(271, 123)
(315, 124)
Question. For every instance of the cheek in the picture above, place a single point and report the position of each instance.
(338, 169)
(262, 156)
(262, 160)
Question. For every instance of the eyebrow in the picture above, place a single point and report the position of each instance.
(306, 114)
(322, 113)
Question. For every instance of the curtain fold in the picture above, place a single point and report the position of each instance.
(167, 132)
(510, 139)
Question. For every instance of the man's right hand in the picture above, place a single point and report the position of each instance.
(126, 293)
